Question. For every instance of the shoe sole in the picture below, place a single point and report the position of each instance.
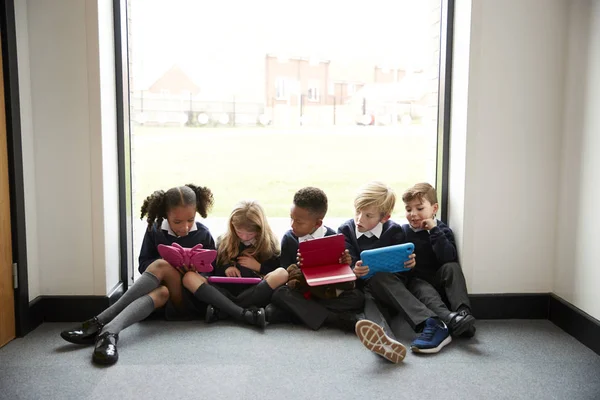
(432, 350)
(469, 333)
(88, 341)
(373, 337)
(103, 361)
(465, 324)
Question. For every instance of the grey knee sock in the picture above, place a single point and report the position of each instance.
(136, 311)
(144, 285)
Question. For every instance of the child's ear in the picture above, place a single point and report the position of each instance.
(385, 218)
(435, 209)
(319, 223)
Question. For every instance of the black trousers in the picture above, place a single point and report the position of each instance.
(444, 292)
(430, 297)
(373, 312)
(313, 312)
(391, 291)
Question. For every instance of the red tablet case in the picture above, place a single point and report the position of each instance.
(320, 261)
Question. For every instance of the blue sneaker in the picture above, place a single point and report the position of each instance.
(434, 337)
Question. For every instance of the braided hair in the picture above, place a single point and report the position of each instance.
(158, 204)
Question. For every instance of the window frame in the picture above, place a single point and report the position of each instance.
(289, 88)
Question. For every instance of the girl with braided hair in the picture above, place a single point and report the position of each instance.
(171, 219)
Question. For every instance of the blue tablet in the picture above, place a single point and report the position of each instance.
(387, 259)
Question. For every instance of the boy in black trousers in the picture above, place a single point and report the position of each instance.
(343, 302)
(372, 228)
(438, 271)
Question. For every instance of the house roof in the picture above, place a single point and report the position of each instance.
(175, 81)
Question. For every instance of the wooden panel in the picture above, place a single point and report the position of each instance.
(7, 306)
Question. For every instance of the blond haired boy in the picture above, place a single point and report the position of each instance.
(372, 228)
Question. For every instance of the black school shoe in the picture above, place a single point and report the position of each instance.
(344, 321)
(213, 314)
(105, 351)
(255, 316)
(470, 332)
(84, 334)
(460, 323)
(275, 315)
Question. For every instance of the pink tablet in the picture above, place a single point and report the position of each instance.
(226, 279)
(178, 256)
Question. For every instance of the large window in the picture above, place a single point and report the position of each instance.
(234, 96)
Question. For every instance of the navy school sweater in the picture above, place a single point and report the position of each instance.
(433, 249)
(155, 236)
(391, 234)
(289, 247)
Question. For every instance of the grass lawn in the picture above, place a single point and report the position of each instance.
(270, 164)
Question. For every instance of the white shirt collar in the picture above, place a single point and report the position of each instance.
(166, 227)
(317, 234)
(251, 242)
(373, 232)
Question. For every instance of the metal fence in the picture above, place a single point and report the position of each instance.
(156, 109)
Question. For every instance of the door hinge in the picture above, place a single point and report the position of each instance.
(15, 276)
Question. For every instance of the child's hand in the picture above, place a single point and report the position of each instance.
(233, 272)
(298, 259)
(360, 270)
(411, 261)
(249, 262)
(187, 268)
(428, 224)
(345, 258)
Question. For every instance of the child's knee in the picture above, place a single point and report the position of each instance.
(451, 267)
(160, 296)
(192, 281)
(279, 276)
(159, 268)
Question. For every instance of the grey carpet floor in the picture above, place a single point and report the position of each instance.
(515, 359)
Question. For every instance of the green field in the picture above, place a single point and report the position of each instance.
(269, 164)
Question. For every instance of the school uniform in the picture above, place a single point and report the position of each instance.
(198, 234)
(437, 271)
(386, 290)
(246, 296)
(313, 311)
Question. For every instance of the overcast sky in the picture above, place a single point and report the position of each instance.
(210, 39)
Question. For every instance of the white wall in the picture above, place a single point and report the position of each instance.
(103, 117)
(506, 131)
(72, 138)
(521, 147)
(577, 271)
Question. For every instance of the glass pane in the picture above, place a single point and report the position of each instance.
(258, 99)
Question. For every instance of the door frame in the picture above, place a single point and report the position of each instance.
(121, 35)
(15, 164)
(444, 105)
